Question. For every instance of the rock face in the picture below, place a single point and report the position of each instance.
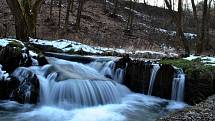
(7, 87)
(163, 82)
(137, 76)
(199, 88)
(28, 88)
(10, 58)
(22, 86)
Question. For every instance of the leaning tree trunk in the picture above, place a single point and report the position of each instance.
(20, 23)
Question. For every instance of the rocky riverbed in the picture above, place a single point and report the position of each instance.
(204, 111)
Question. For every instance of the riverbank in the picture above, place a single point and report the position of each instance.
(204, 111)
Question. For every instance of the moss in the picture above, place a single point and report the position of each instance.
(15, 44)
(193, 69)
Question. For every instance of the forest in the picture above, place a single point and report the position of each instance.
(107, 60)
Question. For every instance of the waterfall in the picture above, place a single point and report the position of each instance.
(155, 69)
(71, 84)
(107, 68)
(178, 85)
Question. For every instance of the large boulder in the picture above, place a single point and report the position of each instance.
(28, 88)
(12, 58)
(199, 87)
(6, 85)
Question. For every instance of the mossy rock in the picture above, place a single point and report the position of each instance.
(15, 44)
(44, 48)
(190, 67)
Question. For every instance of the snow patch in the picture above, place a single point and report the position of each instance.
(3, 42)
(204, 59)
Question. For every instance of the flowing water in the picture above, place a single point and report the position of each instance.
(71, 91)
(155, 69)
(178, 85)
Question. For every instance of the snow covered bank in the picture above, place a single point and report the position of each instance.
(173, 33)
(204, 59)
(68, 46)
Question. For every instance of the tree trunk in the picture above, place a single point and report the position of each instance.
(178, 19)
(180, 32)
(59, 16)
(51, 6)
(195, 16)
(78, 19)
(131, 15)
(200, 42)
(115, 7)
(20, 23)
(207, 41)
(67, 14)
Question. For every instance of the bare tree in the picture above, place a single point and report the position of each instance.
(80, 8)
(50, 9)
(69, 7)
(59, 12)
(201, 34)
(130, 16)
(115, 9)
(25, 14)
(178, 20)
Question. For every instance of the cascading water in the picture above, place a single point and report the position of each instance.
(107, 68)
(178, 85)
(155, 69)
(71, 84)
(71, 91)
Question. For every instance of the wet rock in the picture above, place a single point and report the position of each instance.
(198, 88)
(28, 88)
(7, 87)
(122, 62)
(10, 58)
(42, 60)
(163, 82)
(137, 76)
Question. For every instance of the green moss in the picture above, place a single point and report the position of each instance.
(15, 44)
(193, 69)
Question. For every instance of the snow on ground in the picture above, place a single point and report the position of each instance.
(173, 33)
(6, 41)
(3, 42)
(205, 59)
(67, 45)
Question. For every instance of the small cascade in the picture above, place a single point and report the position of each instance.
(155, 69)
(70, 84)
(108, 69)
(178, 85)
